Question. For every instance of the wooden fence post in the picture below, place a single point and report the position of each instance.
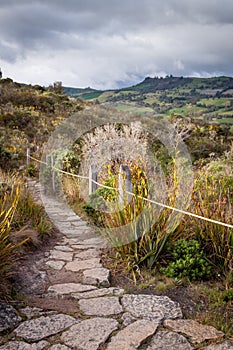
(47, 159)
(28, 156)
(125, 185)
(93, 176)
(53, 173)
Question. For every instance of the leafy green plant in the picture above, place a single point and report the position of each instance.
(97, 201)
(8, 250)
(108, 194)
(29, 211)
(93, 208)
(21, 221)
(188, 261)
(218, 306)
(64, 160)
(32, 170)
(213, 198)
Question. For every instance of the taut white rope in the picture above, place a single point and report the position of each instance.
(145, 199)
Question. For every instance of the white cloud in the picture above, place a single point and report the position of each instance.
(106, 43)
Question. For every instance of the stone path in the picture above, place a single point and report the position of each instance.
(108, 318)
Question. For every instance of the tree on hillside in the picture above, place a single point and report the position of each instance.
(0, 73)
(56, 87)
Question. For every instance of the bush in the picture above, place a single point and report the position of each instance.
(8, 255)
(21, 221)
(64, 160)
(189, 261)
(212, 198)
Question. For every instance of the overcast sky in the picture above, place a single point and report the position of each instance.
(114, 43)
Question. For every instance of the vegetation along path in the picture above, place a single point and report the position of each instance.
(79, 309)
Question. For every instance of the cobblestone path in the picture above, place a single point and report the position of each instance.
(108, 318)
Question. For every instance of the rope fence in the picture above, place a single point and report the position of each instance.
(133, 194)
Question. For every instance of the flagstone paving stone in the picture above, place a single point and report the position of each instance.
(63, 248)
(169, 341)
(151, 307)
(54, 264)
(227, 345)
(131, 337)
(78, 265)
(8, 317)
(67, 288)
(196, 332)
(44, 326)
(20, 345)
(87, 254)
(59, 347)
(98, 293)
(90, 334)
(59, 255)
(98, 276)
(102, 306)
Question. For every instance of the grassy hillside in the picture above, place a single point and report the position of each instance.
(85, 94)
(206, 99)
(28, 115)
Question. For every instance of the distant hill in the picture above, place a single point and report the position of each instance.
(170, 82)
(205, 99)
(221, 84)
(84, 93)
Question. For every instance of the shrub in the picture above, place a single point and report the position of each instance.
(212, 198)
(189, 261)
(30, 212)
(64, 160)
(8, 250)
(32, 170)
(21, 221)
(131, 229)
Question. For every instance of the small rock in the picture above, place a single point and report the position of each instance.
(131, 337)
(227, 345)
(89, 334)
(79, 265)
(104, 306)
(8, 317)
(44, 326)
(98, 276)
(197, 332)
(63, 248)
(169, 340)
(56, 265)
(98, 293)
(67, 288)
(151, 307)
(59, 255)
(20, 345)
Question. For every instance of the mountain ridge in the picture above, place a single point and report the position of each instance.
(150, 84)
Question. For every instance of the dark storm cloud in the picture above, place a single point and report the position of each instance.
(100, 43)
